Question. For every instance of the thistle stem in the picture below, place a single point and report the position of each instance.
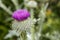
(33, 33)
(32, 28)
(42, 16)
(15, 2)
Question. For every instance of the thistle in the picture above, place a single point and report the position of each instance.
(24, 21)
(20, 14)
(32, 4)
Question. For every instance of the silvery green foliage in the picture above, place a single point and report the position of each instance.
(15, 2)
(42, 16)
(27, 25)
(5, 8)
(55, 35)
(11, 34)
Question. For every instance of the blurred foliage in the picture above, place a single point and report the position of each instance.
(51, 23)
(3, 31)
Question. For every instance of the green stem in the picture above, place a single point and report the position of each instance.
(42, 16)
(32, 29)
(15, 2)
(32, 13)
(33, 33)
(23, 35)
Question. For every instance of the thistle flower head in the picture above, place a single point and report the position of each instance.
(21, 14)
(32, 4)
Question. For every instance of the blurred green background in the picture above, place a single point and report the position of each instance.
(52, 21)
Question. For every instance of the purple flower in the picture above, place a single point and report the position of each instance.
(21, 14)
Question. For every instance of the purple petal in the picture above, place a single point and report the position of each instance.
(21, 14)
